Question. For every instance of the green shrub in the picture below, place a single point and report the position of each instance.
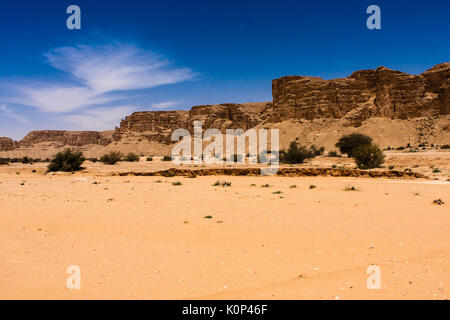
(333, 154)
(348, 143)
(149, 159)
(167, 158)
(66, 161)
(445, 146)
(131, 157)
(26, 160)
(111, 158)
(368, 156)
(298, 154)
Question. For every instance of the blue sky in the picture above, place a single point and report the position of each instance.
(161, 55)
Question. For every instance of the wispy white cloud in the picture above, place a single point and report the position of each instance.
(165, 105)
(10, 113)
(99, 118)
(97, 75)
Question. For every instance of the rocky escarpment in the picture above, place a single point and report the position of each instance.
(7, 144)
(57, 139)
(364, 94)
(66, 138)
(368, 93)
(158, 125)
(312, 110)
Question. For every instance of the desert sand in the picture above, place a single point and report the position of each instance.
(146, 238)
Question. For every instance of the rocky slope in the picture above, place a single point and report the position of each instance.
(7, 144)
(364, 94)
(51, 140)
(394, 107)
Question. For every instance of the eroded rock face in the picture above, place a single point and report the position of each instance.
(158, 125)
(382, 92)
(7, 144)
(66, 138)
(364, 94)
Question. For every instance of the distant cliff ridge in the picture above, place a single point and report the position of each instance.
(362, 95)
(7, 144)
(58, 138)
(380, 93)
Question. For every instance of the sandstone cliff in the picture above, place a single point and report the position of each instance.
(7, 144)
(394, 107)
(158, 126)
(66, 138)
(364, 94)
(43, 143)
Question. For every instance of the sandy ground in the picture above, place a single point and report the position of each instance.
(145, 238)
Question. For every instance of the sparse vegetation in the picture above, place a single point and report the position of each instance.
(312, 186)
(439, 202)
(266, 185)
(298, 154)
(277, 192)
(111, 158)
(348, 143)
(167, 158)
(333, 154)
(207, 217)
(293, 186)
(68, 160)
(350, 188)
(131, 157)
(445, 146)
(24, 160)
(178, 183)
(222, 183)
(436, 170)
(149, 159)
(391, 167)
(368, 156)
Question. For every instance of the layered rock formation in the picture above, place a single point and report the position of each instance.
(367, 93)
(7, 144)
(57, 139)
(158, 125)
(314, 105)
(66, 138)
(362, 95)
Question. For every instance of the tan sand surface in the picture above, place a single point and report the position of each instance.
(145, 238)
